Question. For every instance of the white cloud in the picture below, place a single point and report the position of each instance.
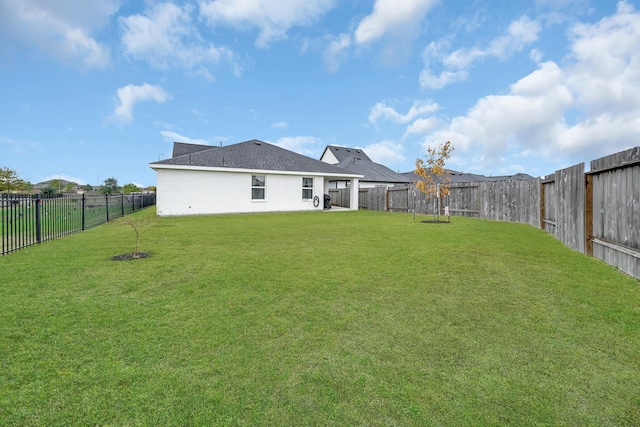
(59, 29)
(601, 135)
(166, 36)
(336, 51)
(605, 74)
(273, 18)
(422, 125)
(131, 94)
(392, 17)
(385, 152)
(530, 115)
(300, 144)
(588, 108)
(382, 111)
(536, 55)
(170, 136)
(14, 146)
(428, 79)
(562, 4)
(280, 125)
(521, 33)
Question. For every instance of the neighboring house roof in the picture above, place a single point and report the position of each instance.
(516, 177)
(61, 182)
(355, 160)
(456, 176)
(373, 172)
(251, 155)
(182, 148)
(341, 154)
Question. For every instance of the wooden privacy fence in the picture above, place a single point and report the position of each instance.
(596, 213)
(500, 200)
(340, 197)
(562, 206)
(612, 214)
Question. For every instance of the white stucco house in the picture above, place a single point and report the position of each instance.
(250, 176)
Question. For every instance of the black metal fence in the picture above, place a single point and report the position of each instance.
(29, 219)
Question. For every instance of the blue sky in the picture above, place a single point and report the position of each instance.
(99, 89)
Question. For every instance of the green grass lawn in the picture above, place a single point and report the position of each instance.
(324, 318)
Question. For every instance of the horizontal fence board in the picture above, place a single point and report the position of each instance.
(616, 159)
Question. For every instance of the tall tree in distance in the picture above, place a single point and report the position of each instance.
(10, 180)
(434, 177)
(110, 186)
(49, 191)
(131, 188)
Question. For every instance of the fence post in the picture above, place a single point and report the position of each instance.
(106, 201)
(386, 200)
(2, 221)
(38, 220)
(542, 207)
(588, 215)
(122, 203)
(83, 206)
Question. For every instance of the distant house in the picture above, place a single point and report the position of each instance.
(62, 184)
(355, 160)
(456, 176)
(250, 176)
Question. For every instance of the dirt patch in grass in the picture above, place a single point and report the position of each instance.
(125, 257)
(430, 221)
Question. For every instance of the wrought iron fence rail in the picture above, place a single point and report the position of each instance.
(26, 220)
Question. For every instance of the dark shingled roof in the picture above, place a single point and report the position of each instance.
(57, 182)
(373, 172)
(182, 148)
(455, 176)
(254, 154)
(343, 153)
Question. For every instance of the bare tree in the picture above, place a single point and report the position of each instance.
(137, 223)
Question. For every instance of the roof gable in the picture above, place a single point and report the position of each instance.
(343, 153)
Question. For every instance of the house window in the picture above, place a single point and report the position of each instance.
(307, 188)
(257, 187)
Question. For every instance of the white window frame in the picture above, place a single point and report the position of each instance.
(262, 187)
(306, 188)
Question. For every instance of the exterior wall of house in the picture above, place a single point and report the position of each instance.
(198, 192)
